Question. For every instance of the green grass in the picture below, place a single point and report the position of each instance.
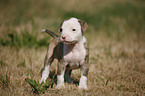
(25, 39)
(38, 88)
(116, 18)
(113, 18)
(2, 63)
(5, 81)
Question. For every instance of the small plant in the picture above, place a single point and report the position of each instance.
(106, 83)
(2, 63)
(38, 88)
(5, 81)
(119, 87)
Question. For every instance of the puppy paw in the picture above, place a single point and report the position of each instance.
(43, 79)
(45, 75)
(83, 83)
(83, 87)
(60, 86)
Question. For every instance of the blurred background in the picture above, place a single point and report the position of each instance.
(26, 18)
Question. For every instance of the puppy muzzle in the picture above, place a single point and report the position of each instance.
(69, 42)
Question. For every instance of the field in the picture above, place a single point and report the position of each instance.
(116, 36)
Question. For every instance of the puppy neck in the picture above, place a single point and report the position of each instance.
(78, 45)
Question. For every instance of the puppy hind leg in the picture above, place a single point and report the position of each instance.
(84, 74)
(67, 75)
(83, 82)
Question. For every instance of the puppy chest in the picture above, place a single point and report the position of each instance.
(75, 57)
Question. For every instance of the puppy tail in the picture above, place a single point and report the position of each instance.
(52, 34)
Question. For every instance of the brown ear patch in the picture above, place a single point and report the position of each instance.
(83, 24)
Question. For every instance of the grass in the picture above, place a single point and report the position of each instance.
(25, 39)
(38, 88)
(116, 39)
(5, 81)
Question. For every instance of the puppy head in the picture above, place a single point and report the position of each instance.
(72, 30)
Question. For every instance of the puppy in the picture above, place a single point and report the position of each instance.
(71, 50)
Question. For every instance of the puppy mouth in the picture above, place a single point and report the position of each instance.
(70, 42)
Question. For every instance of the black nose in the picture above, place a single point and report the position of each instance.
(63, 37)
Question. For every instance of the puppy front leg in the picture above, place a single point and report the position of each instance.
(84, 75)
(45, 72)
(60, 75)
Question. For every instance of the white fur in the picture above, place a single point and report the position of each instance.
(83, 82)
(67, 30)
(60, 81)
(75, 56)
(45, 74)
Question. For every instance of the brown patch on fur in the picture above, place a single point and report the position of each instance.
(83, 24)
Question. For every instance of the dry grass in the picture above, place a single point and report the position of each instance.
(116, 68)
(117, 50)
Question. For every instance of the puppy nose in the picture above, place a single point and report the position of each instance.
(63, 37)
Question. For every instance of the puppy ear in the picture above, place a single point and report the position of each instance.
(83, 24)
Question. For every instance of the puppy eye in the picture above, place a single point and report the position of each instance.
(60, 30)
(73, 29)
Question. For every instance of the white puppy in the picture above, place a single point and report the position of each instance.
(71, 50)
